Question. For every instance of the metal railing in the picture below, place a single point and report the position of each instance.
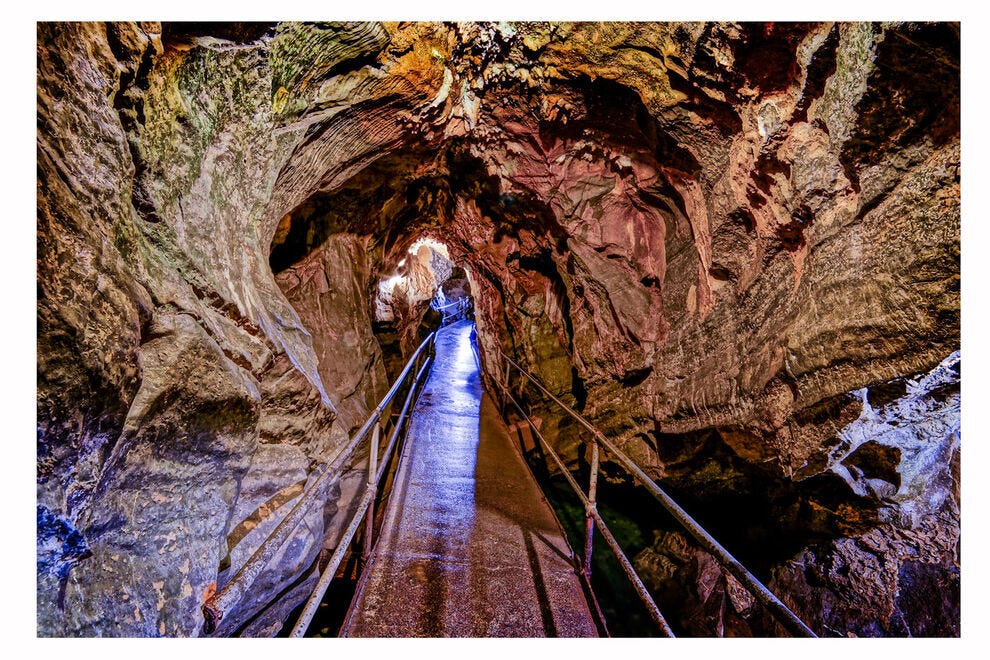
(764, 596)
(460, 309)
(231, 593)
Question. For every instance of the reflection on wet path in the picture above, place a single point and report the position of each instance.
(469, 546)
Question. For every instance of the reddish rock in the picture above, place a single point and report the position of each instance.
(708, 237)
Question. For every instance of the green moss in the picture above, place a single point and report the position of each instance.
(624, 613)
(853, 63)
(302, 54)
(122, 242)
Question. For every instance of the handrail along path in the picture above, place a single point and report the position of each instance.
(791, 622)
(232, 592)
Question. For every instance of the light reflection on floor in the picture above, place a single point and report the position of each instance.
(463, 362)
(469, 547)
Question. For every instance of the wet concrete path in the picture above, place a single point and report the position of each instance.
(469, 545)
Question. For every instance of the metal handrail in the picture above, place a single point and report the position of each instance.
(462, 306)
(367, 504)
(591, 511)
(440, 308)
(780, 612)
(219, 603)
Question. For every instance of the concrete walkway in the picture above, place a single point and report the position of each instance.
(469, 545)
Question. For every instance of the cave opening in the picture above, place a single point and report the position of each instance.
(425, 291)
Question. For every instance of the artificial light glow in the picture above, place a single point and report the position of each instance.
(387, 285)
(434, 245)
(392, 281)
(464, 357)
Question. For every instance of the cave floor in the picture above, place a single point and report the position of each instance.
(469, 545)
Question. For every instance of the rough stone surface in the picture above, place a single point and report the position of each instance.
(709, 601)
(710, 238)
(158, 312)
(875, 563)
(269, 489)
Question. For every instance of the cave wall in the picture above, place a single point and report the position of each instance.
(761, 266)
(158, 312)
(711, 238)
(745, 262)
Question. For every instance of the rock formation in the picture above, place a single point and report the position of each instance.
(733, 247)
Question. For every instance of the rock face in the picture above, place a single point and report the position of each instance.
(403, 306)
(167, 354)
(881, 551)
(733, 247)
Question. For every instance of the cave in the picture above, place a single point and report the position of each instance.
(716, 259)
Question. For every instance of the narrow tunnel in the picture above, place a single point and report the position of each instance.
(730, 249)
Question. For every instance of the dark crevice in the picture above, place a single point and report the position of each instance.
(914, 63)
(634, 377)
(820, 69)
(578, 390)
(767, 53)
(128, 101)
(720, 113)
(237, 32)
(353, 64)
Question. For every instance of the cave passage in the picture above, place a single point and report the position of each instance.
(469, 546)
(424, 290)
(732, 248)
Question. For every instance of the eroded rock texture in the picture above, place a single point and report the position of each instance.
(734, 247)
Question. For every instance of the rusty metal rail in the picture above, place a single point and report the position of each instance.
(232, 592)
(764, 596)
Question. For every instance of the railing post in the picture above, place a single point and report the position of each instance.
(590, 509)
(505, 381)
(764, 596)
(231, 594)
(369, 525)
